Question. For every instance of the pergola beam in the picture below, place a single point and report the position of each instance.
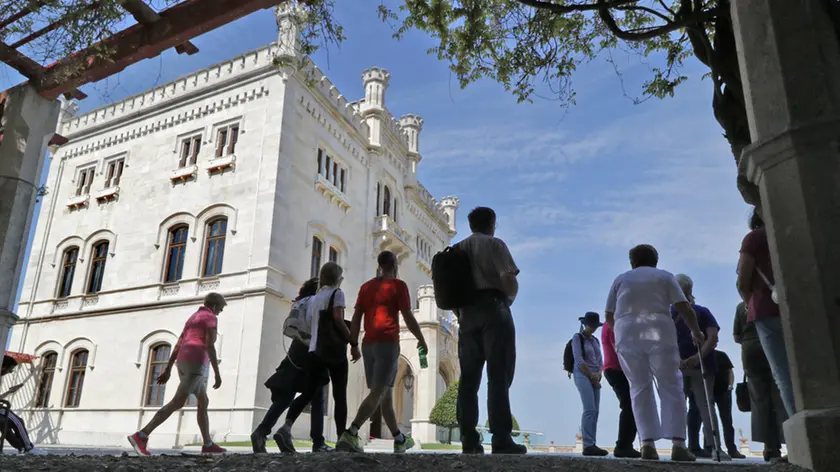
(176, 26)
(145, 15)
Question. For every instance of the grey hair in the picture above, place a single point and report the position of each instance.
(686, 284)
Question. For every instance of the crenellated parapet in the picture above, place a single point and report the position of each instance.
(229, 72)
(319, 82)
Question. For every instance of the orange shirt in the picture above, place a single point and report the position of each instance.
(382, 300)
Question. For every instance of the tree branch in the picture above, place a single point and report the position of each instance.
(612, 25)
(646, 10)
(562, 9)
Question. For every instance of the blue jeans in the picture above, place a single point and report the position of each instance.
(773, 343)
(590, 397)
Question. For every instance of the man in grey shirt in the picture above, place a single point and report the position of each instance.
(487, 334)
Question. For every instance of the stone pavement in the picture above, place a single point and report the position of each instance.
(342, 462)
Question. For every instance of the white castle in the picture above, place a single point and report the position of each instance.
(242, 178)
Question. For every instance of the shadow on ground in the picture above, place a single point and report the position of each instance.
(362, 462)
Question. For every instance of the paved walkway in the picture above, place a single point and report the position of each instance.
(58, 459)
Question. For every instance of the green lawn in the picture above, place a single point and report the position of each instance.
(440, 447)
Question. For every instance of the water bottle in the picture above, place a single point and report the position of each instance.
(424, 362)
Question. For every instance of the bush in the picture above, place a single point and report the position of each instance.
(515, 426)
(444, 412)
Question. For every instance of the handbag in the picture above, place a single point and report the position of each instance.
(742, 396)
(773, 295)
(331, 346)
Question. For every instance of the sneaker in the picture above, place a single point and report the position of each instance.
(772, 454)
(401, 447)
(702, 453)
(349, 442)
(595, 451)
(681, 454)
(139, 444)
(626, 453)
(283, 438)
(721, 456)
(649, 453)
(475, 449)
(510, 448)
(322, 448)
(258, 442)
(213, 449)
(736, 454)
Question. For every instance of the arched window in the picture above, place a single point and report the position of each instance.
(97, 267)
(378, 199)
(386, 201)
(42, 398)
(214, 252)
(158, 359)
(333, 254)
(68, 270)
(176, 250)
(76, 379)
(315, 263)
(396, 208)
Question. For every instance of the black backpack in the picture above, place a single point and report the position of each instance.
(452, 278)
(569, 355)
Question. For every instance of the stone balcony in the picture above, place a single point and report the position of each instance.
(331, 192)
(389, 236)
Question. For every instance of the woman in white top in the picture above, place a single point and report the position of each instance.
(638, 310)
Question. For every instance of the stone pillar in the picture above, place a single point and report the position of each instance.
(425, 387)
(790, 66)
(29, 123)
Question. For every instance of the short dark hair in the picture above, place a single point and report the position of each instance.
(755, 220)
(387, 260)
(644, 255)
(9, 363)
(482, 219)
(309, 288)
(330, 273)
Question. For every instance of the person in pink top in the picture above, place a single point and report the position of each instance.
(192, 354)
(618, 381)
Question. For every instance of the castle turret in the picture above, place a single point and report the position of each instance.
(426, 302)
(375, 81)
(291, 17)
(412, 125)
(449, 205)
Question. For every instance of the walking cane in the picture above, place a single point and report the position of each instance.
(709, 406)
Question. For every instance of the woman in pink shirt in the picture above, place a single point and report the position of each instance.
(192, 354)
(618, 381)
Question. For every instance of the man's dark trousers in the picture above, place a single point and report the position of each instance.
(486, 335)
(626, 421)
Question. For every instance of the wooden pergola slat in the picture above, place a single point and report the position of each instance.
(153, 34)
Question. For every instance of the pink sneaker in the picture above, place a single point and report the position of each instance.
(139, 444)
(213, 449)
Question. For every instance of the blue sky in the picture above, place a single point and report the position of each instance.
(574, 189)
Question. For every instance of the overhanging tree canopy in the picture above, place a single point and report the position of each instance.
(522, 42)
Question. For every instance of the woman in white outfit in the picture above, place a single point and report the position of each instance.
(638, 310)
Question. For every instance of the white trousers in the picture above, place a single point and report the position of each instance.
(647, 349)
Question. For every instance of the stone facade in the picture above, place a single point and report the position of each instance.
(240, 178)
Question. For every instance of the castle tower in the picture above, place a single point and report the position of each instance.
(413, 125)
(372, 108)
(291, 17)
(375, 81)
(449, 205)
